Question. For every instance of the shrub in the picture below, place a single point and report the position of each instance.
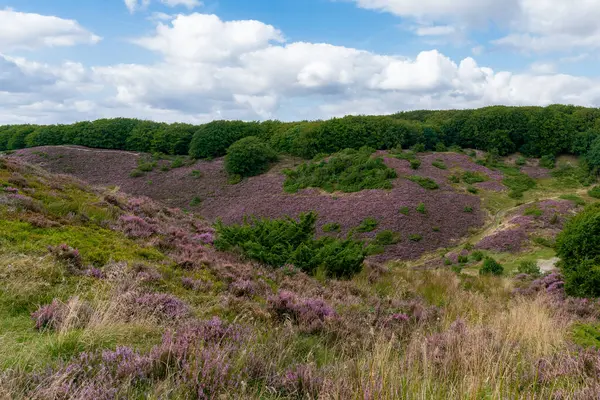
(404, 210)
(415, 237)
(332, 227)
(421, 208)
(471, 178)
(196, 201)
(196, 174)
(520, 161)
(548, 162)
(440, 147)
(518, 183)
(533, 211)
(542, 241)
(468, 209)
(387, 238)
(439, 164)
(491, 267)
(472, 189)
(477, 256)
(368, 225)
(278, 242)
(415, 163)
(248, 157)
(454, 179)
(426, 183)
(136, 173)
(594, 192)
(529, 268)
(418, 148)
(309, 313)
(578, 246)
(347, 171)
(463, 259)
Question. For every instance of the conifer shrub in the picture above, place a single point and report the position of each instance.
(249, 156)
(491, 267)
(287, 241)
(347, 171)
(425, 183)
(387, 238)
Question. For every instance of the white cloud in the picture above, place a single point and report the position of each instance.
(213, 69)
(436, 30)
(136, 5)
(20, 30)
(533, 25)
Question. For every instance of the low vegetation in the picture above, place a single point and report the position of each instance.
(248, 157)
(425, 183)
(347, 171)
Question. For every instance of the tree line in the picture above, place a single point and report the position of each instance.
(534, 131)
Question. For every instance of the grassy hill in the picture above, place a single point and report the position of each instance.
(106, 295)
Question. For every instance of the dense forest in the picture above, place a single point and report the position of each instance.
(533, 131)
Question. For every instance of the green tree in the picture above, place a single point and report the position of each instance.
(249, 156)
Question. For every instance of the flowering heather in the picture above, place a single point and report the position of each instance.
(11, 190)
(309, 313)
(197, 285)
(68, 255)
(161, 305)
(136, 227)
(95, 273)
(301, 381)
(205, 238)
(49, 316)
(510, 240)
(243, 287)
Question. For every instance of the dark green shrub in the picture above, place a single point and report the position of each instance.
(404, 210)
(491, 267)
(471, 178)
(435, 228)
(332, 227)
(533, 211)
(374, 249)
(454, 179)
(421, 208)
(196, 174)
(472, 189)
(545, 242)
(418, 148)
(415, 163)
(425, 183)
(518, 183)
(278, 242)
(520, 161)
(468, 209)
(477, 256)
(439, 164)
(387, 238)
(548, 162)
(440, 147)
(196, 201)
(136, 173)
(347, 171)
(368, 225)
(463, 259)
(578, 246)
(248, 157)
(457, 269)
(594, 192)
(529, 268)
(415, 237)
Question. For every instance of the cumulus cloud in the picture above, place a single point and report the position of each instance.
(209, 68)
(135, 5)
(20, 30)
(532, 25)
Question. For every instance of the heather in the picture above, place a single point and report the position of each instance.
(347, 171)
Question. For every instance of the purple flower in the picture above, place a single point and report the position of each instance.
(136, 227)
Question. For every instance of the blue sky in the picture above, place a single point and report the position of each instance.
(187, 60)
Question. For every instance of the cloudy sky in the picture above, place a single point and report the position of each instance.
(195, 61)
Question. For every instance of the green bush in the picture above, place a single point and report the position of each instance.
(404, 210)
(491, 267)
(548, 162)
(368, 225)
(477, 256)
(472, 189)
(439, 164)
(578, 246)
(574, 198)
(415, 163)
(421, 208)
(594, 192)
(415, 237)
(468, 209)
(533, 211)
(518, 183)
(387, 238)
(136, 173)
(471, 178)
(521, 161)
(529, 268)
(248, 157)
(426, 183)
(347, 171)
(213, 139)
(332, 227)
(454, 179)
(278, 242)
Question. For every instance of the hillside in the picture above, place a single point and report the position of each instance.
(121, 297)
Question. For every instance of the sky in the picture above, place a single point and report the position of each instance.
(195, 61)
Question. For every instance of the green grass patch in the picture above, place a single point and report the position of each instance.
(517, 182)
(439, 164)
(387, 238)
(426, 183)
(471, 178)
(347, 171)
(586, 335)
(594, 192)
(574, 198)
(368, 225)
